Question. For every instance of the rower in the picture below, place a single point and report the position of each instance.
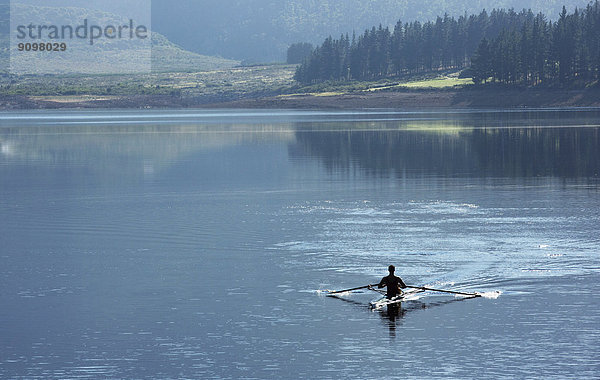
(393, 283)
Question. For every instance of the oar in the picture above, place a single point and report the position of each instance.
(445, 291)
(349, 290)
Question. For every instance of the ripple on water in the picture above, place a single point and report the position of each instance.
(470, 243)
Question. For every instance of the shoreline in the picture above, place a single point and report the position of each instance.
(453, 98)
(422, 98)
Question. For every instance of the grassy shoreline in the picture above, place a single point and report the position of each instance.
(453, 98)
(412, 99)
(272, 86)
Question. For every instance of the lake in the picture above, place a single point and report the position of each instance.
(198, 243)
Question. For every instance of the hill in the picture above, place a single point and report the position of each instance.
(165, 55)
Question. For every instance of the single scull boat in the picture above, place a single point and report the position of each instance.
(384, 301)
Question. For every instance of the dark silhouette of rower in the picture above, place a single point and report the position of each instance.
(392, 283)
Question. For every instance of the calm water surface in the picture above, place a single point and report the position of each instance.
(193, 244)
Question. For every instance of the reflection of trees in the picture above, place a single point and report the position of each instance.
(560, 152)
(382, 152)
(520, 152)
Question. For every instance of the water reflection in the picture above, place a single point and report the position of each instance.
(467, 145)
(453, 151)
(392, 315)
(126, 153)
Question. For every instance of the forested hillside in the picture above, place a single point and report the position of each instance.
(503, 45)
(262, 30)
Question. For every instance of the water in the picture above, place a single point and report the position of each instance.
(194, 244)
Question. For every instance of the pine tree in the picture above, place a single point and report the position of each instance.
(481, 63)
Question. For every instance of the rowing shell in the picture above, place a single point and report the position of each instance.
(384, 301)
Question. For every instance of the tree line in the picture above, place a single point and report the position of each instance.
(503, 46)
(563, 52)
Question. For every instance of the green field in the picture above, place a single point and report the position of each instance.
(438, 81)
(435, 83)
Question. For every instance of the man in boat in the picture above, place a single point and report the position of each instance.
(393, 283)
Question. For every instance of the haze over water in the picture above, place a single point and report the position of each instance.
(194, 244)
